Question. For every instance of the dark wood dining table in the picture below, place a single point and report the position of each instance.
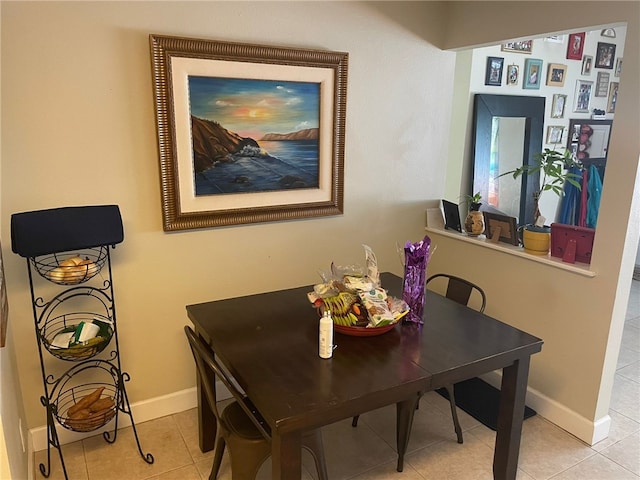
(269, 343)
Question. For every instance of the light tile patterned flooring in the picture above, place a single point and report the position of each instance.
(367, 452)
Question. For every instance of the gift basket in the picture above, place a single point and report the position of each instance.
(357, 302)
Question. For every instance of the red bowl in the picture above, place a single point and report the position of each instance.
(363, 331)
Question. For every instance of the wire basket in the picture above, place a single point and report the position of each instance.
(71, 268)
(67, 324)
(89, 418)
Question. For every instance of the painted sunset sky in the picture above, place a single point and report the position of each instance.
(252, 108)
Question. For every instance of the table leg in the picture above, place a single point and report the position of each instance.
(404, 421)
(286, 456)
(510, 416)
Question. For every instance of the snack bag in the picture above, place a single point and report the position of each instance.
(375, 301)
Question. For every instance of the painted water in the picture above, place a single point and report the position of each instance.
(281, 165)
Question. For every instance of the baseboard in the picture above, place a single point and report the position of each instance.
(142, 412)
(586, 430)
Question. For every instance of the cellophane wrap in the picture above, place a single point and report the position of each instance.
(416, 257)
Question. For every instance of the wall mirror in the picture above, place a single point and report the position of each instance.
(507, 132)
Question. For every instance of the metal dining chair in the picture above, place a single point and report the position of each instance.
(240, 425)
(459, 290)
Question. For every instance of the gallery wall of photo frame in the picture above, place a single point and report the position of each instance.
(578, 73)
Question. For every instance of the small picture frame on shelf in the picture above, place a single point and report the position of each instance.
(513, 73)
(602, 84)
(613, 97)
(587, 63)
(557, 107)
(582, 96)
(554, 134)
(555, 74)
(532, 74)
(605, 55)
(493, 74)
(451, 216)
(501, 228)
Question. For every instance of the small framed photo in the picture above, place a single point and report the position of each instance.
(493, 74)
(554, 39)
(582, 96)
(554, 134)
(605, 55)
(532, 74)
(513, 73)
(522, 46)
(575, 46)
(618, 70)
(555, 74)
(557, 107)
(451, 216)
(613, 97)
(501, 228)
(602, 84)
(587, 63)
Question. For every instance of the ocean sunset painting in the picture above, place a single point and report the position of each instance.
(252, 136)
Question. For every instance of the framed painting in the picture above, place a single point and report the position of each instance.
(602, 84)
(575, 46)
(521, 46)
(582, 98)
(493, 73)
(532, 73)
(555, 74)
(557, 107)
(613, 97)
(605, 55)
(587, 63)
(247, 133)
(513, 73)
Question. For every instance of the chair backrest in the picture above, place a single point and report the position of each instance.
(459, 290)
(209, 368)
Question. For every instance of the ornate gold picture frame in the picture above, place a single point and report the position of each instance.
(224, 159)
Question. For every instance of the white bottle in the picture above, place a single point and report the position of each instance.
(326, 335)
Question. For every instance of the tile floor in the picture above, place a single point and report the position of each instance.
(367, 452)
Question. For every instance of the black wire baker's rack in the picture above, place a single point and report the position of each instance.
(68, 252)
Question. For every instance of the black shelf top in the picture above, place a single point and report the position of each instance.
(42, 232)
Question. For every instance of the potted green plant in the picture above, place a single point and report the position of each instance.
(554, 169)
(474, 201)
(474, 223)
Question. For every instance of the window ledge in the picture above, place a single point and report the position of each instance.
(482, 241)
